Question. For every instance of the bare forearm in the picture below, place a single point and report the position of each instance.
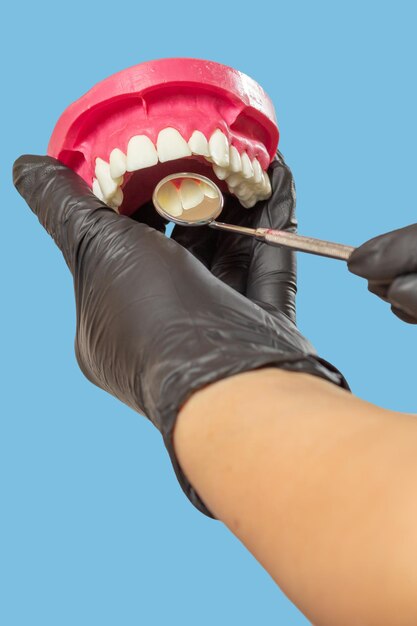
(319, 486)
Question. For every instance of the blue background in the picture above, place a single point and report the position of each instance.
(94, 527)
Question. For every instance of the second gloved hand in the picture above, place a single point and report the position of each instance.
(389, 263)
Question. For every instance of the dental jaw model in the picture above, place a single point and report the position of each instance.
(164, 117)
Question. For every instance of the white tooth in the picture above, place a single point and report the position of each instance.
(169, 199)
(219, 148)
(234, 180)
(267, 184)
(199, 144)
(259, 186)
(245, 194)
(248, 204)
(257, 171)
(235, 160)
(208, 190)
(106, 182)
(247, 169)
(97, 189)
(118, 180)
(117, 199)
(242, 187)
(141, 153)
(221, 172)
(191, 194)
(171, 145)
(117, 163)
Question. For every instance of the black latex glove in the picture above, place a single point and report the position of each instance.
(153, 323)
(389, 263)
(265, 274)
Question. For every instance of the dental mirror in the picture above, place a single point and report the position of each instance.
(188, 199)
(194, 200)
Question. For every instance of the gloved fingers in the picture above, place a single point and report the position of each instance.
(265, 274)
(403, 296)
(232, 254)
(404, 317)
(199, 240)
(379, 288)
(64, 204)
(147, 214)
(272, 279)
(278, 211)
(386, 256)
(272, 272)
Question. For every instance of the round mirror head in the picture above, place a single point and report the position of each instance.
(188, 199)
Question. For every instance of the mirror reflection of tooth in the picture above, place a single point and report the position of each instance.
(235, 162)
(208, 190)
(169, 199)
(257, 171)
(247, 169)
(221, 172)
(118, 163)
(107, 184)
(171, 145)
(97, 190)
(198, 144)
(141, 153)
(191, 194)
(219, 148)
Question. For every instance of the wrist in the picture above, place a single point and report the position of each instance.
(221, 406)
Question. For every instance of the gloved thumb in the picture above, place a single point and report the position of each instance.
(403, 297)
(386, 256)
(64, 204)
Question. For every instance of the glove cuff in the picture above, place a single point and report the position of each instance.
(308, 364)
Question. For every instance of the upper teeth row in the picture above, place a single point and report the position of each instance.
(244, 177)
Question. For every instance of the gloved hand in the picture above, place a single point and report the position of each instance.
(389, 263)
(153, 323)
(265, 274)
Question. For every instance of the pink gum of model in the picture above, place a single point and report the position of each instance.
(184, 93)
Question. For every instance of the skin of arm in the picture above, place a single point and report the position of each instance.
(319, 485)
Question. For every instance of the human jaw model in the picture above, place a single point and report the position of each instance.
(167, 116)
